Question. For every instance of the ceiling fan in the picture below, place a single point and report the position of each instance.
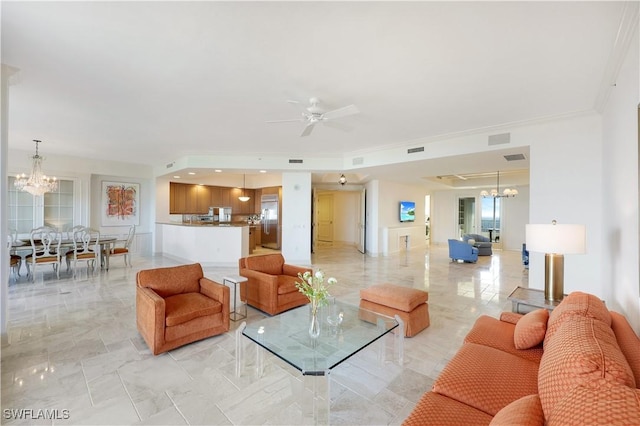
(313, 114)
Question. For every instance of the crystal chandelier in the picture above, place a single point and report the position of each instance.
(37, 183)
(495, 192)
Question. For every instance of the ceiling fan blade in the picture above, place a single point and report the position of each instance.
(307, 130)
(341, 112)
(291, 120)
(338, 125)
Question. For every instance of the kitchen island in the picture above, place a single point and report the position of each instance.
(208, 244)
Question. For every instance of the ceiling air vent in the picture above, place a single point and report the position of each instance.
(357, 161)
(514, 157)
(500, 139)
(294, 161)
(414, 150)
(170, 165)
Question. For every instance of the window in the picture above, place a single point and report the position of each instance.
(487, 214)
(25, 213)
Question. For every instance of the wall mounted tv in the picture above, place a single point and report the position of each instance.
(407, 211)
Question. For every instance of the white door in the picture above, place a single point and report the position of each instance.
(325, 217)
(314, 220)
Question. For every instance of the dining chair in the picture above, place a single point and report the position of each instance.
(86, 248)
(45, 249)
(15, 261)
(70, 232)
(125, 250)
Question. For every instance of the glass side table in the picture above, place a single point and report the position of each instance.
(237, 281)
(525, 300)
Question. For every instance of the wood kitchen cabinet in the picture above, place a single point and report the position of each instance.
(186, 198)
(203, 199)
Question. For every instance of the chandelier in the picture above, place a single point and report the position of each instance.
(495, 192)
(37, 183)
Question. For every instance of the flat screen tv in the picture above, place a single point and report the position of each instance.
(407, 211)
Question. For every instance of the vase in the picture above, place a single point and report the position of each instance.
(314, 326)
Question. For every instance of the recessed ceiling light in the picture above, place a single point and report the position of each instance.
(263, 171)
(218, 171)
(192, 173)
(176, 177)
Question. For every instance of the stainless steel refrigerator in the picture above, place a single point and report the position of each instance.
(270, 225)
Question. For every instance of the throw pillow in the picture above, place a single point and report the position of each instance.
(530, 329)
(526, 411)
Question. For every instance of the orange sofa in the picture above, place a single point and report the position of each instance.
(271, 283)
(580, 364)
(178, 305)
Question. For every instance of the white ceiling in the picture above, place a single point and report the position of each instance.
(149, 82)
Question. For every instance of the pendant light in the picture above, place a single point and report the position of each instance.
(244, 198)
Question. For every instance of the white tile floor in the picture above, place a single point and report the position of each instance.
(73, 345)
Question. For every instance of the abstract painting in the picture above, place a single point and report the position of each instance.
(120, 204)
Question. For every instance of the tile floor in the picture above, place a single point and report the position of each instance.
(73, 347)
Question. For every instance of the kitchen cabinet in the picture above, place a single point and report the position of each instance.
(203, 199)
(186, 198)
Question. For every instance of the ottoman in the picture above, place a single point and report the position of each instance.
(410, 304)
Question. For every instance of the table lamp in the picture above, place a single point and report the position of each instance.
(555, 240)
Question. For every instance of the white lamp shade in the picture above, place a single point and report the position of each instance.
(557, 239)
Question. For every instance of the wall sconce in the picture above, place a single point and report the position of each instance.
(555, 241)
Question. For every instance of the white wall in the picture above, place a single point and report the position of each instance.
(387, 212)
(296, 218)
(515, 215)
(620, 253)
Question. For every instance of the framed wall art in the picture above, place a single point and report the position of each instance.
(120, 204)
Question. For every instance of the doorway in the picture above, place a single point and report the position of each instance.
(338, 219)
(466, 216)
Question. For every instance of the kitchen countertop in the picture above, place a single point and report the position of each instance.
(209, 224)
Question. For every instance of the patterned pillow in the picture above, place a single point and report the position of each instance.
(526, 411)
(530, 329)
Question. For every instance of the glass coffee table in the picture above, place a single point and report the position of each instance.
(287, 337)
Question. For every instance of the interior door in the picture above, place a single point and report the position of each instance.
(362, 221)
(325, 217)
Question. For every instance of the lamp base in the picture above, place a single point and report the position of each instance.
(553, 277)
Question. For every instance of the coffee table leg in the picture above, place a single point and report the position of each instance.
(399, 331)
(316, 410)
(239, 348)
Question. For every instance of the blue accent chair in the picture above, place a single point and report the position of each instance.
(459, 250)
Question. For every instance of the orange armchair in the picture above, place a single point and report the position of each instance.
(271, 285)
(178, 305)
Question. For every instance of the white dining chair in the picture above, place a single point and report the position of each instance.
(86, 248)
(45, 249)
(125, 250)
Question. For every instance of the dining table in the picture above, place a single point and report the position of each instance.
(23, 247)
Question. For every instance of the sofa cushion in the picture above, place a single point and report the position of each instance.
(269, 264)
(172, 280)
(530, 329)
(501, 380)
(576, 303)
(394, 296)
(287, 284)
(187, 306)
(436, 409)
(582, 349)
(498, 334)
(598, 402)
(629, 343)
(525, 411)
